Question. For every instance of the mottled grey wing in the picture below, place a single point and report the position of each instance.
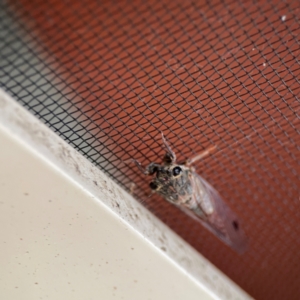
(220, 220)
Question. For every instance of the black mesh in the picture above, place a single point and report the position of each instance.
(108, 77)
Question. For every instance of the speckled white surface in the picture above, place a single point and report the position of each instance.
(69, 232)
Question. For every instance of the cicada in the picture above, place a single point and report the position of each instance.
(179, 184)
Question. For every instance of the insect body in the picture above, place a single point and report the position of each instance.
(183, 187)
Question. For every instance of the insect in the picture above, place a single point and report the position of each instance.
(179, 184)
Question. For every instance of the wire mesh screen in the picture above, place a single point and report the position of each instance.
(109, 76)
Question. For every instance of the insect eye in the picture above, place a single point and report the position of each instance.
(153, 186)
(177, 171)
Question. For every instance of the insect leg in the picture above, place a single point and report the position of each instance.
(204, 153)
(152, 168)
(137, 163)
(173, 156)
(149, 170)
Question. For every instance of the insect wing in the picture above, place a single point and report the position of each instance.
(222, 221)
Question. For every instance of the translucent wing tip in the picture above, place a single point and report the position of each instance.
(236, 237)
